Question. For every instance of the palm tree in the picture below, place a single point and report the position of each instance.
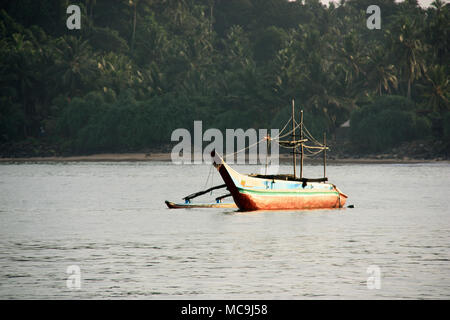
(437, 89)
(75, 65)
(438, 4)
(90, 4)
(22, 73)
(438, 30)
(348, 56)
(409, 49)
(134, 4)
(380, 74)
(117, 72)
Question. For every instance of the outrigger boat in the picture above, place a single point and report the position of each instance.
(282, 192)
(278, 192)
(275, 192)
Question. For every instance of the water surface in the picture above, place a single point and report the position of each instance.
(110, 220)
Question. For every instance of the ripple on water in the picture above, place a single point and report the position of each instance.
(111, 221)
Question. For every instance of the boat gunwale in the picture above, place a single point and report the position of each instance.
(240, 186)
(286, 192)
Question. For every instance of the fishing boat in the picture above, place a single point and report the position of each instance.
(283, 191)
(278, 192)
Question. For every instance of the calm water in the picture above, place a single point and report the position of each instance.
(110, 220)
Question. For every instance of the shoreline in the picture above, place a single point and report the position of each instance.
(166, 157)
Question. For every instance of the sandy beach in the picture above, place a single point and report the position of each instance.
(97, 157)
(117, 157)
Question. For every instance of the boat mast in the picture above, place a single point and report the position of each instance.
(294, 158)
(267, 150)
(301, 138)
(324, 154)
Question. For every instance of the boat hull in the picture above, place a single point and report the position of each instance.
(249, 201)
(251, 193)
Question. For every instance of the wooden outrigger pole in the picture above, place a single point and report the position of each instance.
(187, 200)
(197, 194)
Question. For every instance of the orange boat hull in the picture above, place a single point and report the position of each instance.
(249, 202)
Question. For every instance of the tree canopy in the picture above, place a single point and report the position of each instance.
(138, 69)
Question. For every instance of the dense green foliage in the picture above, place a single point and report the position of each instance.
(138, 69)
(447, 128)
(387, 122)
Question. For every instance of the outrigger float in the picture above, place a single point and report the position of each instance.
(189, 205)
(276, 192)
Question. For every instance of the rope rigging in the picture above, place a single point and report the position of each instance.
(263, 139)
(296, 145)
(288, 144)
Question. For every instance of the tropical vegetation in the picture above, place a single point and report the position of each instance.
(138, 69)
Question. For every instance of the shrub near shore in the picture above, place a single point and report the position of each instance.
(386, 123)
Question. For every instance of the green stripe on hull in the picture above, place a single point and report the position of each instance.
(287, 193)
